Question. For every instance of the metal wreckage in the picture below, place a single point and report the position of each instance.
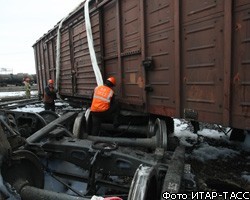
(165, 56)
(44, 156)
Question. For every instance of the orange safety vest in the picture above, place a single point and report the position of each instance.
(101, 99)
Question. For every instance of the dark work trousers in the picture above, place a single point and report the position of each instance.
(49, 106)
(98, 117)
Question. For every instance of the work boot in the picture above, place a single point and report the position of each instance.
(96, 126)
(116, 122)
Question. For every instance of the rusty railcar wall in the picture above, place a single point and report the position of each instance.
(45, 56)
(202, 39)
(240, 80)
(177, 58)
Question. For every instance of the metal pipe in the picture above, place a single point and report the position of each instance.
(99, 182)
(177, 52)
(143, 130)
(157, 141)
(37, 136)
(31, 193)
(134, 142)
(228, 66)
(66, 185)
(4, 123)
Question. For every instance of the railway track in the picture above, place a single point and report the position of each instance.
(14, 102)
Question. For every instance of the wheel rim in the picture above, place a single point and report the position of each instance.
(144, 184)
(160, 130)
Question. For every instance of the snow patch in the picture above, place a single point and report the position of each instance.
(186, 137)
(13, 94)
(30, 108)
(61, 103)
(246, 176)
(209, 133)
(206, 152)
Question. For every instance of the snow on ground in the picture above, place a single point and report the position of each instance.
(39, 107)
(187, 138)
(31, 108)
(204, 152)
(18, 93)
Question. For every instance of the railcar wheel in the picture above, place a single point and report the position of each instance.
(144, 184)
(150, 132)
(23, 168)
(160, 130)
(79, 128)
(26, 123)
(88, 117)
(12, 121)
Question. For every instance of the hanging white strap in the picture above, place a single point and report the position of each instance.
(58, 49)
(96, 69)
(58, 53)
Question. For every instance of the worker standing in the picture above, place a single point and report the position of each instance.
(104, 106)
(49, 96)
(27, 86)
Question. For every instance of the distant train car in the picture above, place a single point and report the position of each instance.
(16, 79)
(172, 58)
(5, 79)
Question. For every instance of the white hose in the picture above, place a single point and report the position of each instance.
(58, 50)
(96, 69)
(58, 54)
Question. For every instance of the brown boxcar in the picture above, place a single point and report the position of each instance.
(176, 58)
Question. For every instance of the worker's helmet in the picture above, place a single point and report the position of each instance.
(50, 81)
(112, 80)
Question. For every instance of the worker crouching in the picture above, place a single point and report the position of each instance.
(104, 107)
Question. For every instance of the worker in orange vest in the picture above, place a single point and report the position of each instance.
(104, 106)
(49, 96)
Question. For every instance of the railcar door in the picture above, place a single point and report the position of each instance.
(66, 84)
(160, 61)
(203, 60)
(82, 73)
(122, 48)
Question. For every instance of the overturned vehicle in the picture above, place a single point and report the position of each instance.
(61, 160)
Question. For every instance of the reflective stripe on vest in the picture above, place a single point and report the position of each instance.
(101, 99)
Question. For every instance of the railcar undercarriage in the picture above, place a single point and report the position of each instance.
(51, 157)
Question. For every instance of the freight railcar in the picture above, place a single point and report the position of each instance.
(171, 58)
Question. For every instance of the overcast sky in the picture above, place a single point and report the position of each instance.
(22, 23)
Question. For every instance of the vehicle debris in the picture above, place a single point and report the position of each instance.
(102, 168)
